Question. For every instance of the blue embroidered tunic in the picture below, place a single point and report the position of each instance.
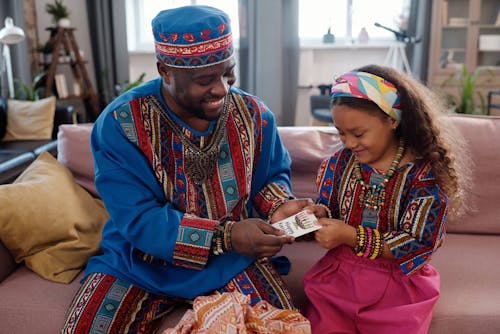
(412, 219)
(161, 223)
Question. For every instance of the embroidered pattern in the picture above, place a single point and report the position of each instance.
(205, 53)
(224, 194)
(105, 304)
(411, 221)
(260, 281)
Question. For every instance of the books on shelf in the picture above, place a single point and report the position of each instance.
(298, 224)
(61, 85)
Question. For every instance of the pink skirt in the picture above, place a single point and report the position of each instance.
(350, 294)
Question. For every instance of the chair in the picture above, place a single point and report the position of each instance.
(492, 105)
(320, 106)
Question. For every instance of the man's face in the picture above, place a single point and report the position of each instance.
(197, 92)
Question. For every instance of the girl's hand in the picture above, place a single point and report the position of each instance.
(290, 208)
(318, 210)
(335, 233)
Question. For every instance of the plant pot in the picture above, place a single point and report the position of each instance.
(64, 22)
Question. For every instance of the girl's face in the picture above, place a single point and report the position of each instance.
(369, 134)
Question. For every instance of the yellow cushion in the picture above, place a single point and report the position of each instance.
(30, 120)
(50, 222)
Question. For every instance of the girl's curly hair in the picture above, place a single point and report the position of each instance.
(425, 130)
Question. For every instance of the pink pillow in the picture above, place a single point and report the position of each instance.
(74, 152)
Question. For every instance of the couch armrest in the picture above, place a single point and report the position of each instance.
(7, 263)
(63, 115)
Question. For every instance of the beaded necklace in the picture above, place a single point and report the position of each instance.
(373, 196)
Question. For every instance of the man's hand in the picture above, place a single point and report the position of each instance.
(255, 238)
(290, 208)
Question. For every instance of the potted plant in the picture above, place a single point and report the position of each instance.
(469, 100)
(59, 12)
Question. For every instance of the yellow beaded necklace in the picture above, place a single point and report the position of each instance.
(373, 196)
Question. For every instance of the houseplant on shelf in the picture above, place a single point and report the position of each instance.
(469, 100)
(59, 12)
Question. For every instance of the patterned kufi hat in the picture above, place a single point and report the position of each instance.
(192, 36)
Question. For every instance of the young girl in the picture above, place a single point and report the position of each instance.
(383, 201)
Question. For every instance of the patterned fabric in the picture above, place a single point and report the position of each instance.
(412, 221)
(232, 313)
(261, 281)
(370, 87)
(105, 304)
(192, 36)
(161, 221)
(193, 242)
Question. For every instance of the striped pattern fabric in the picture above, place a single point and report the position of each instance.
(105, 304)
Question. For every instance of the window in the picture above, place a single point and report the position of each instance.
(346, 18)
(140, 13)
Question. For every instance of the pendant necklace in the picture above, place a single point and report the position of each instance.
(199, 162)
(372, 196)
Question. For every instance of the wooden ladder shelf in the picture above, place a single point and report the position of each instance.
(65, 45)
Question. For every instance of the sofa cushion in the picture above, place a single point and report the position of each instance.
(30, 119)
(75, 153)
(50, 222)
(13, 163)
(482, 134)
(470, 285)
(308, 147)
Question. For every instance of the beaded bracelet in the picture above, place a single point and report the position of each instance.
(217, 240)
(377, 249)
(369, 242)
(360, 246)
(227, 236)
(275, 207)
(327, 209)
(221, 240)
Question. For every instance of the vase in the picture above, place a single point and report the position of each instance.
(64, 22)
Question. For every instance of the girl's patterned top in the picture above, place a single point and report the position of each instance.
(412, 218)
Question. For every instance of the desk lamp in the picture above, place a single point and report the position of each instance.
(10, 34)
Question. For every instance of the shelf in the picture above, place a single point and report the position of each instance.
(449, 26)
(455, 49)
(488, 26)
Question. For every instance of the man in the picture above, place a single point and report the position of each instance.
(188, 168)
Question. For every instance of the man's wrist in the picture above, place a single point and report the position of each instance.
(221, 240)
(275, 207)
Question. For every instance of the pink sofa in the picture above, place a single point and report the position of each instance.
(469, 261)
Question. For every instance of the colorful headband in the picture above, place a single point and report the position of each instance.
(192, 36)
(369, 87)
